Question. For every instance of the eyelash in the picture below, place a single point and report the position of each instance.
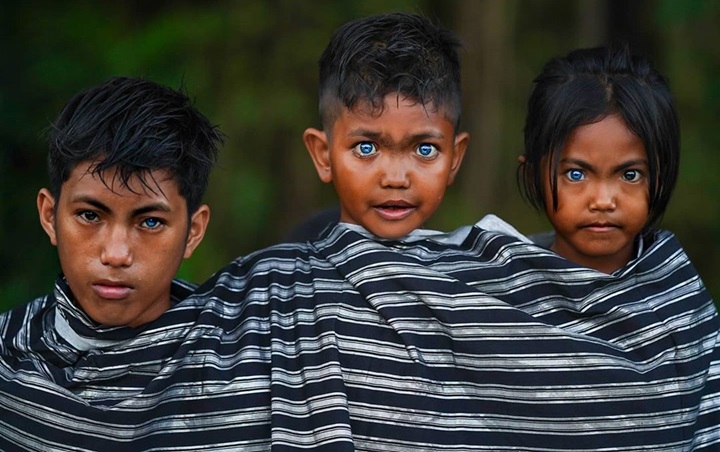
(372, 149)
(434, 151)
(638, 175)
(581, 173)
(84, 214)
(575, 170)
(160, 223)
(358, 149)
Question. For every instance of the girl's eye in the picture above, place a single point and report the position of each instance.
(632, 175)
(89, 216)
(365, 149)
(575, 175)
(427, 151)
(152, 223)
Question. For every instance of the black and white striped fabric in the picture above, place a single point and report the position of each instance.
(467, 341)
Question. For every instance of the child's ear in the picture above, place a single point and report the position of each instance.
(521, 159)
(46, 211)
(316, 142)
(196, 230)
(461, 143)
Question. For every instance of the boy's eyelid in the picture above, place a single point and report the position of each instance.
(81, 213)
(161, 222)
(432, 141)
(355, 149)
(433, 154)
(357, 143)
(155, 216)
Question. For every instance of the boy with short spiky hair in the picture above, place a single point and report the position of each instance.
(390, 109)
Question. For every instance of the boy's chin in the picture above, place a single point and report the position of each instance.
(391, 232)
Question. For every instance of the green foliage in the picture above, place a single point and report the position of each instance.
(252, 68)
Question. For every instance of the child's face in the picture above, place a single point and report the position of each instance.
(602, 186)
(391, 170)
(120, 250)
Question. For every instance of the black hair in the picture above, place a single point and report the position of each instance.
(369, 58)
(136, 126)
(584, 87)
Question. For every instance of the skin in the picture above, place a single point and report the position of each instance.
(120, 247)
(390, 169)
(603, 195)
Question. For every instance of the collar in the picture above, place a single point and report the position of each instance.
(455, 237)
(82, 333)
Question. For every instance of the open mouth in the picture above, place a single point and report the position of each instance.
(396, 210)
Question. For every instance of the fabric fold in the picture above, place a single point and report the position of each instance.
(468, 340)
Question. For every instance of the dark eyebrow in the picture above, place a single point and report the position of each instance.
(586, 166)
(92, 201)
(365, 133)
(152, 207)
(581, 163)
(383, 141)
(628, 164)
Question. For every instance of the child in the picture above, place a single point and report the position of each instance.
(601, 154)
(470, 340)
(390, 109)
(129, 162)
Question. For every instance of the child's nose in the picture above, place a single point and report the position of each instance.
(395, 175)
(116, 249)
(605, 197)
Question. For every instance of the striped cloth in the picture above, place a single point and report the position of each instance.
(467, 341)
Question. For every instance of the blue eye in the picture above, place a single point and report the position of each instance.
(427, 150)
(365, 149)
(575, 175)
(152, 223)
(632, 175)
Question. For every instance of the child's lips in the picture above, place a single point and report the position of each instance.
(601, 227)
(395, 210)
(112, 290)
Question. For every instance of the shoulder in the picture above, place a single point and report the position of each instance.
(543, 239)
(494, 223)
(314, 226)
(23, 320)
(283, 264)
(29, 308)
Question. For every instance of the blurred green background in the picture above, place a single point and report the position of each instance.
(251, 66)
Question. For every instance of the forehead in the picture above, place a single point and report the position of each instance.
(396, 115)
(111, 184)
(609, 138)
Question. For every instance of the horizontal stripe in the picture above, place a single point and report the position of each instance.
(465, 341)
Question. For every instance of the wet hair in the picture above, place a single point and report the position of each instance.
(583, 88)
(406, 54)
(135, 126)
